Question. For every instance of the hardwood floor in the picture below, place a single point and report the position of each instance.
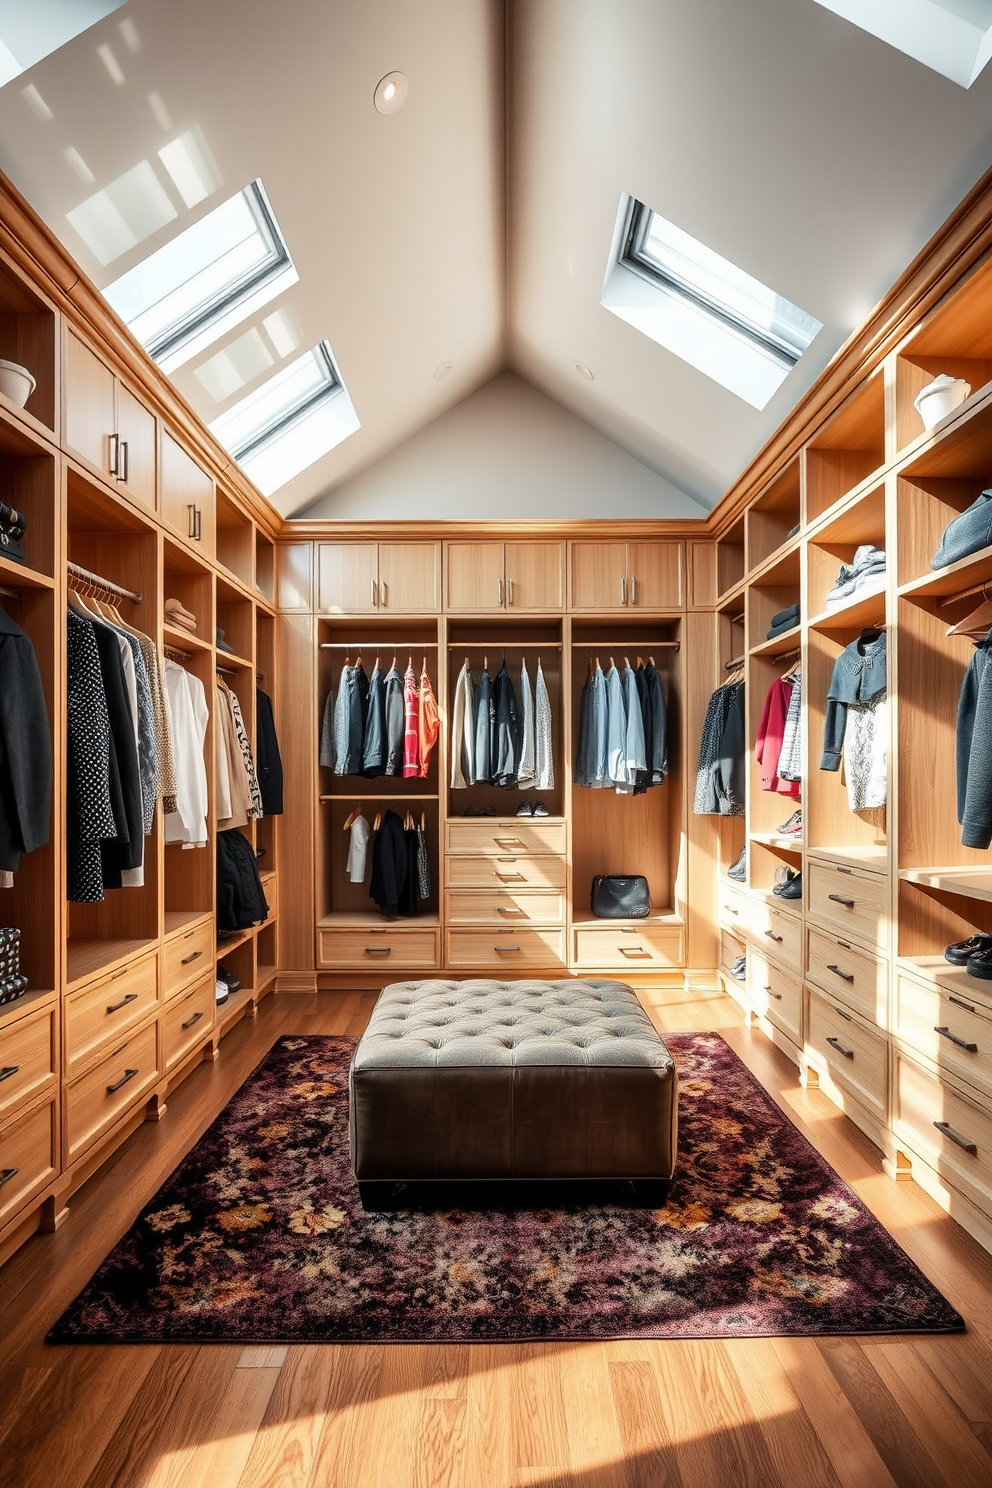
(773, 1413)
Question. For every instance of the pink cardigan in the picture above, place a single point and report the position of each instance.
(768, 744)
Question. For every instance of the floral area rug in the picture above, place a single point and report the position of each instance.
(259, 1235)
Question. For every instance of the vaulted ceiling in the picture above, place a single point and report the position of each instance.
(473, 226)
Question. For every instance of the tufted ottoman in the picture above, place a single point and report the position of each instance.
(510, 1080)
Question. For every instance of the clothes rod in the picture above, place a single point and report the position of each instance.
(84, 576)
(952, 599)
(173, 653)
(10, 593)
(504, 643)
(407, 645)
(628, 643)
(737, 661)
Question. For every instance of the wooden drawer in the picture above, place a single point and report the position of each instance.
(857, 977)
(505, 907)
(499, 838)
(376, 946)
(951, 1130)
(187, 1019)
(854, 901)
(625, 946)
(106, 1010)
(506, 873)
(29, 1157)
(774, 995)
(187, 957)
(732, 909)
(506, 948)
(777, 933)
(955, 1033)
(95, 1100)
(27, 1059)
(854, 1056)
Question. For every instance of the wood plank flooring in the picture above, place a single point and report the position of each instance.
(773, 1413)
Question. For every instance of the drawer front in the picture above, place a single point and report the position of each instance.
(625, 946)
(774, 995)
(27, 1059)
(506, 873)
(855, 1056)
(777, 934)
(95, 1100)
(732, 909)
(377, 947)
(955, 1033)
(943, 1126)
(505, 907)
(28, 1158)
(106, 1010)
(506, 948)
(858, 903)
(185, 959)
(187, 1019)
(498, 838)
(857, 977)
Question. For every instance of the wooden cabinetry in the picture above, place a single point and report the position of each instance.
(624, 576)
(186, 496)
(504, 576)
(106, 426)
(357, 578)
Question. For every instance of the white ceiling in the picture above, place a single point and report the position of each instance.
(792, 142)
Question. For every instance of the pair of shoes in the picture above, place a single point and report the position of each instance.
(793, 827)
(221, 992)
(231, 982)
(863, 576)
(974, 954)
(739, 870)
(538, 809)
(739, 969)
(788, 883)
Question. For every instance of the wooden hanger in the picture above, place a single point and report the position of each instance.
(423, 821)
(378, 821)
(650, 661)
(978, 620)
(352, 817)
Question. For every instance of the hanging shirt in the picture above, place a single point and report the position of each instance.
(188, 717)
(374, 747)
(463, 731)
(358, 848)
(544, 764)
(590, 763)
(411, 725)
(430, 723)
(526, 769)
(866, 742)
(790, 761)
(770, 737)
(393, 710)
(635, 762)
(616, 730)
(505, 756)
(269, 760)
(89, 808)
(484, 721)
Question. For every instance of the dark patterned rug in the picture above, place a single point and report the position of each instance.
(259, 1236)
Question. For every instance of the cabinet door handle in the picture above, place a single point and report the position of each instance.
(836, 1044)
(623, 590)
(375, 597)
(8, 1070)
(191, 520)
(199, 525)
(383, 593)
(840, 899)
(505, 950)
(946, 1130)
(633, 590)
(499, 592)
(509, 592)
(772, 936)
(969, 1007)
(846, 976)
(115, 455)
(515, 914)
(126, 467)
(945, 1032)
(127, 1075)
(190, 1021)
(191, 957)
(115, 1007)
(378, 950)
(6, 1174)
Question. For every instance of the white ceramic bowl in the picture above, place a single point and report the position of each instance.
(940, 397)
(16, 382)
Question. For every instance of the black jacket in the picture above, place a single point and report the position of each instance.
(268, 762)
(390, 865)
(506, 737)
(720, 772)
(25, 748)
(240, 897)
(127, 851)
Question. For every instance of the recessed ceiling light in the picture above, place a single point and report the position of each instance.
(442, 371)
(390, 93)
(584, 371)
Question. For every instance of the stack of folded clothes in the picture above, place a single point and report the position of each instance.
(785, 620)
(864, 575)
(222, 644)
(177, 615)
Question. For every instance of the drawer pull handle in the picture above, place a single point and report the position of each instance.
(6, 1174)
(517, 914)
(115, 1007)
(191, 957)
(947, 1130)
(840, 899)
(123, 972)
(969, 1007)
(505, 950)
(841, 1014)
(190, 1021)
(836, 1044)
(945, 1032)
(127, 1075)
(509, 877)
(844, 870)
(731, 910)
(8, 1070)
(777, 995)
(634, 953)
(509, 842)
(378, 950)
(772, 936)
(847, 976)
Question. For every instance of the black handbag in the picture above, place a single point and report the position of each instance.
(616, 898)
(12, 527)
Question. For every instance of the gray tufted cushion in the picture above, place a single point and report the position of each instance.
(487, 1023)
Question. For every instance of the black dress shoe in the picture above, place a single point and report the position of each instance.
(792, 888)
(980, 964)
(959, 952)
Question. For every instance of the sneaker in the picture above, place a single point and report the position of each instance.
(221, 992)
(793, 827)
(791, 887)
(980, 964)
(540, 809)
(739, 870)
(959, 952)
(525, 809)
(739, 969)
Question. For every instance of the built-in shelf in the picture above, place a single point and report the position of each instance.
(874, 858)
(972, 883)
(177, 921)
(232, 942)
(860, 612)
(952, 978)
(183, 640)
(777, 840)
(629, 922)
(231, 659)
(974, 569)
(781, 645)
(28, 1002)
(23, 577)
(364, 919)
(367, 795)
(87, 959)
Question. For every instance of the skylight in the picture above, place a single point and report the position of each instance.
(702, 307)
(205, 280)
(290, 421)
(29, 32)
(953, 37)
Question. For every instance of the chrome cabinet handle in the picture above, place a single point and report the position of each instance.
(499, 592)
(6, 1174)
(378, 950)
(199, 525)
(623, 590)
(382, 592)
(190, 1021)
(128, 1074)
(847, 976)
(115, 455)
(375, 597)
(509, 592)
(633, 590)
(191, 520)
(946, 1130)
(115, 1007)
(836, 1044)
(840, 899)
(125, 451)
(961, 1043)
(8, 1070)
(191, 957)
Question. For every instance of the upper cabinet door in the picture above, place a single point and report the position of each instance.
(473, 576)
(410, 578)
(599, 576)
(535, 575)
(654, 575)
(137, 456)
(347, 578)
(187, 496)
(90, 413)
